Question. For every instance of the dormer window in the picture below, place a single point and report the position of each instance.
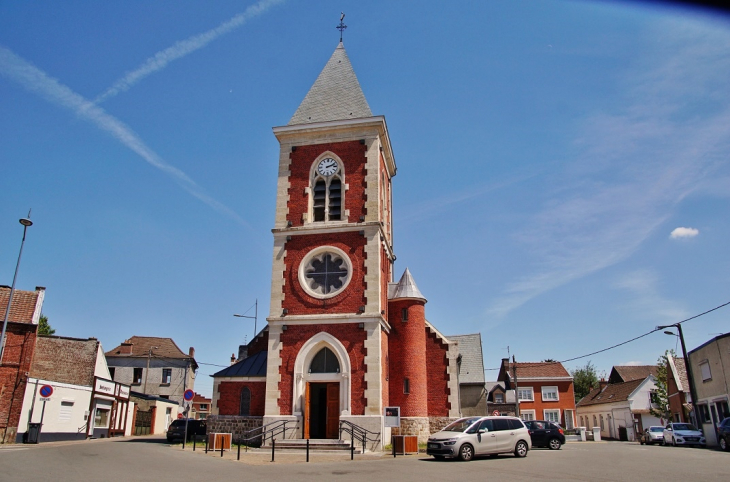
(326, 190)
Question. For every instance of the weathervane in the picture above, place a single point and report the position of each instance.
(341, 26)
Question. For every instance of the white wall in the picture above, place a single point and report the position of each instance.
(61, 421)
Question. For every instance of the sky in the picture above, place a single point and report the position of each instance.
(563, 166)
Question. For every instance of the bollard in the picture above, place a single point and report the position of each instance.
(307, 450)
(194, 440)
(239, 451)
(183, 442)
(273, 447)
(206, 443)
(352, 447)
(392, 444)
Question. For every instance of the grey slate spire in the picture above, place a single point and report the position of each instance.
(335, 95)
(406, 288)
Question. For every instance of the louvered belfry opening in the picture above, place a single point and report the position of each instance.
(335, 200)
(319, 200)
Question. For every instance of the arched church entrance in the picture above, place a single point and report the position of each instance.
(322, 389)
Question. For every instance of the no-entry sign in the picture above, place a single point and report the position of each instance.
(46, 391)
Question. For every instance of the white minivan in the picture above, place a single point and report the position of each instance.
(473, 436)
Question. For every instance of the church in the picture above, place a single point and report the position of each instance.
(346, 336)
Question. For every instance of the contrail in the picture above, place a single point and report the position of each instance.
(36, 81)
(180, 49)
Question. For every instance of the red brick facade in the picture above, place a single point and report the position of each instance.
(437, 365)
(351, 337)
(565, 394)
(407, 352)
(352, 154)
(20, 341)
(297, 301)
(229, 402)
(259, 344)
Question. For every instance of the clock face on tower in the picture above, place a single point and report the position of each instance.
(327, 167)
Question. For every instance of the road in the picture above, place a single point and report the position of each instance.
(146, 458)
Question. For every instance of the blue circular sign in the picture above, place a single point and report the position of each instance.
(46, 391)
(189, 394)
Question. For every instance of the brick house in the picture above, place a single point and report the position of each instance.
(343, 340)
(153, 366)
(678, 391)
(201, 407)
(544, 390)
(20, 340)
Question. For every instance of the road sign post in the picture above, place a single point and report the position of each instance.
(188, 400)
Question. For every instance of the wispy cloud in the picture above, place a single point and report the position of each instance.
(679, 233)
(182, 48)
(639, 162)
(34, 80)
(643, 284)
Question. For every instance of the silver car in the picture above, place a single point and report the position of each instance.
(474, 436)
(653, 435)
(683, 434)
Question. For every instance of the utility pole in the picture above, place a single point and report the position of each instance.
(517, 397)
(690, 377)
(147, 372)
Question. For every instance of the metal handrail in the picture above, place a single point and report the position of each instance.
(362, 433)
(275, 428)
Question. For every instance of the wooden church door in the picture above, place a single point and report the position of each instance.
(306, 410)
(333, 410)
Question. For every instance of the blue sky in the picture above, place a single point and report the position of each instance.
(548, 153)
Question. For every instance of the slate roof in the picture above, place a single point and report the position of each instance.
(626, 373)
(471, 369)
(406, 288)
(23, 308)
(335, 95)
(65, 360)
(613, 392)
(165, 348)
(253, 366)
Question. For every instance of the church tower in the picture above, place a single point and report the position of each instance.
(332, 260)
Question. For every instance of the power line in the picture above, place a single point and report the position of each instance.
(618, 344)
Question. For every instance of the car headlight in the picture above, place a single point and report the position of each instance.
(450, 441)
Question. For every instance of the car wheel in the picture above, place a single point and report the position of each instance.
(674, 442)
(466, 452)
(521, 449)
(663, 442)
(554, 444)
(723, 444)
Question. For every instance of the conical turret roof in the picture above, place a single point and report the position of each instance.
(335, 95)
(406, 288)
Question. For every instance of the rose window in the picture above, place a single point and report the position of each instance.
(325, 272)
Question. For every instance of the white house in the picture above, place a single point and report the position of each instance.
(621, 410)
(83, 403)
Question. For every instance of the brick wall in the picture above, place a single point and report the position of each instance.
(407, 352)
(351, 337)
(19, 346)
(385, 366)
(565, 394)
(259, 344)
(229, 401)
(438, 378)
(297, 301)
(65, 360)
(352, 154)
(234, 424)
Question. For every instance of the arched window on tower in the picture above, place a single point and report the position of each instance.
(245, 406)
(326, 187)
(325, 361)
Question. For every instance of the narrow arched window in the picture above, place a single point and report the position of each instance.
(325, 361)
(245, 406)
(327, 191)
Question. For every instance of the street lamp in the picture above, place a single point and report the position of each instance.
(690, 378)
(26, 222)
(254, 318)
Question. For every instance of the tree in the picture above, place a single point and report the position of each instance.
(584, 378)
(43, 327)
(659, 397)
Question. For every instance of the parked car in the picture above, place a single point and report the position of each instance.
(723, 434)
(545, 434)
(683, 434)
(473, 436)
(196, 428)
(652, 435)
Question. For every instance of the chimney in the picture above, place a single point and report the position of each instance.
(602, 383)
(233, 359)
(191, 352)
(126, 348)
(242, 352)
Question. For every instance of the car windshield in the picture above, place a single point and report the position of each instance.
(684, 426)
(657, 429)
(460, 425)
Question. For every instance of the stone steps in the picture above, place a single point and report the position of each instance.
(318, 444)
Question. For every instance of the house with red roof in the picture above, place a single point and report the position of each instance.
(544, 390)
(17, 355)
(678, 392)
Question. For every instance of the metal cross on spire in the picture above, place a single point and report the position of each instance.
(341, 26)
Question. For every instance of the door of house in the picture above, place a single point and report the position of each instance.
(321, 410)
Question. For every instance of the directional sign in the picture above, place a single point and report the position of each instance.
(188, 396)
(46, 391)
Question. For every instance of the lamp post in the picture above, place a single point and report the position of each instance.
(254, 318)
(147, 372)
(26, 222)
(690, 378)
